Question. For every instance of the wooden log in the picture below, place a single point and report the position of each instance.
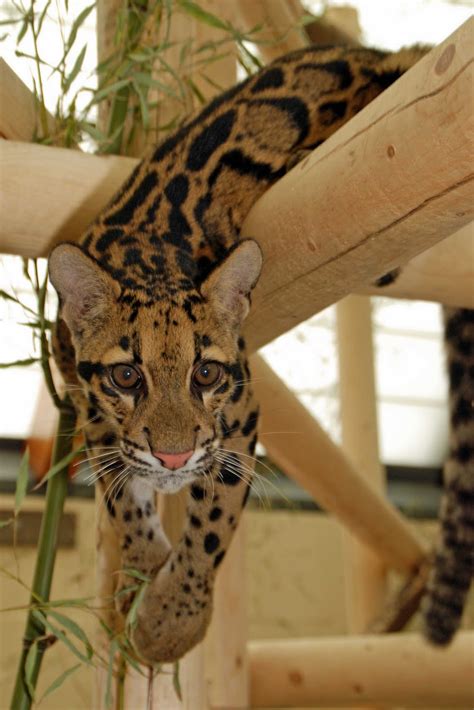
(389, 184)
(278, 20)
(18, 110)
(309, 456)
(444, 273)
(78, 186)
(365, 578)
(391, 671)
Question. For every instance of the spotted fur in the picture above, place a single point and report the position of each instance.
(453, 568)
(161, 283)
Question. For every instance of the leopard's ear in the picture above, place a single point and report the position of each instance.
(86, 292)
(228, 287)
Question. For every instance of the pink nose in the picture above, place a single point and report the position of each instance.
(173, 461)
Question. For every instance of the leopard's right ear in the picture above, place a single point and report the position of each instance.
(86, 292)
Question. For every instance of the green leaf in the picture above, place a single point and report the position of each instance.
(23, 29)
(75, 70)
(59, 681)
(110, 671)
(60, 635)
(135, 573)
(60, 465)
(131, 621)
(143, 105)
(8, 297)
(19, 363)
(76, 25)
(201, 15)
(22, 481)
(107, 90)
(75, 629)
(42, 16)
(30, 663)
(176, 683)
(4, 523)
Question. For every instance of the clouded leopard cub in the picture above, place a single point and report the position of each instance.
(151, 308)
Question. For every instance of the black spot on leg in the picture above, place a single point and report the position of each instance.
(332, 111)
(188, 542)
(127, 515)
(229, 472)
(463, 412)
(139, 513)
(456, 372)
(252, 445)
(211, 543)
(150, 535)
(198, 493)
(124, 343)
(195, 522)
(186, 588)
(215, 514)
(218, 558)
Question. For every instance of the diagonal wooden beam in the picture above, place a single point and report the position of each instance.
(18, 109)
(389, 184)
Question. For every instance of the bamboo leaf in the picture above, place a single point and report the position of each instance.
(110, 672)
(135, 573)
(19, 363)
(76, 25)
(61, 636)
(143, 105)
(202, 15)
(76, 69)
(30, 663)
(60, 465)
(132, 614)
(4, 523)
(107, 90)
(23, 29)
(42, 16)
(22, 481)
(75, 629)
(8, 297)
(59, 681)
(176, 683)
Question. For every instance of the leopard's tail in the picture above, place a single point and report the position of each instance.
(453, 566)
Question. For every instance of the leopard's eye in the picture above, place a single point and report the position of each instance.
(126, 377)
(207, 374)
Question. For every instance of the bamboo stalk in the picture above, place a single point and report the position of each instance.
(393, 670)
(47, 545)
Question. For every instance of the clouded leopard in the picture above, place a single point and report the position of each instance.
(151, 306)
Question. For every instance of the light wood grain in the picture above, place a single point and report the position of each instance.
(308, 455)
(391, 671)
(389, 184)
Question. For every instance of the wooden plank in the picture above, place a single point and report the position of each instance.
(390, 671)
(312, 459)
(389, 184)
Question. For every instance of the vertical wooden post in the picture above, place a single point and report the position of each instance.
(365, 573)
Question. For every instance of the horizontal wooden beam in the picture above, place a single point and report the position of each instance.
(390, 671)
(48, 195)
(299, 446)
(388, 185)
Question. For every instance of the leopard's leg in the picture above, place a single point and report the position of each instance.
(177, 604)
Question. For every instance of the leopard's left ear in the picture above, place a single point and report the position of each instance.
(228, 287)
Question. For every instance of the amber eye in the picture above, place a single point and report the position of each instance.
(126, 377)
(207, 374)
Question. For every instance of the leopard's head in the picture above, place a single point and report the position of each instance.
(158, 372)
